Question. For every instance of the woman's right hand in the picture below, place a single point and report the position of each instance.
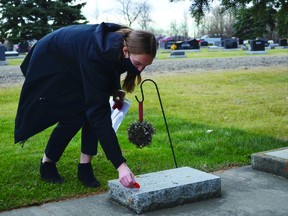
(126, 177)
(118, 98)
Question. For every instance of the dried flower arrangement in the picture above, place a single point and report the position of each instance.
(140, 133)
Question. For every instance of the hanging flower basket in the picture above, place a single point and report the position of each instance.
(140, 133)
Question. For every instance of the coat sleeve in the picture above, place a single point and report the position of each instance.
(97, 86)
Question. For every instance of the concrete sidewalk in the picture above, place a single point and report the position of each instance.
(244, 192)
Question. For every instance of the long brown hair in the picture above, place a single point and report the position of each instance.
(138, 42)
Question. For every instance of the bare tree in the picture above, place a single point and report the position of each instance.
(222, 22)
(174, 28)
(230, 20)
(217, 23)
(130, 10)
(184, 25)
(145, 15)
(203, 27)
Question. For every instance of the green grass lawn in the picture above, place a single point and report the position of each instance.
(219, 53)
(216, 121)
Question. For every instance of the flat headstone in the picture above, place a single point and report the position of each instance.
(177, 54)
(256, 52)
(214, 48)
(279, 153)
(274, 161)
(166, 189)
(11, 53)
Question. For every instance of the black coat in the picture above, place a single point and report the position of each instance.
(72, 69)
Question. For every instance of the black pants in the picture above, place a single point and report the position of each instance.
(65, 130)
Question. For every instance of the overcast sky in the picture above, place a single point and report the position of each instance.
(163, 12)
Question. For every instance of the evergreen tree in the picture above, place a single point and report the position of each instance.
(282, 18)
(22, 20)
(254, 17)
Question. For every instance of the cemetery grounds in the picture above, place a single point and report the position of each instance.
(220, 107)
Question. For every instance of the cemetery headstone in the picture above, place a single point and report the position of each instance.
(194, 44)
(283, 42)
(11, 53)
(166, 189)
(264, 40)
(230, 44)
(241, 41)
(2, 55)
(177, 54)
(272, 161)
(257, 45)
(204, 43)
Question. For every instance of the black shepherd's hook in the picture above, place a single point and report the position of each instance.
(142, 93)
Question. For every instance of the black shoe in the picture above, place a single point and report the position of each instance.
(49, 172)
(86, 175)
